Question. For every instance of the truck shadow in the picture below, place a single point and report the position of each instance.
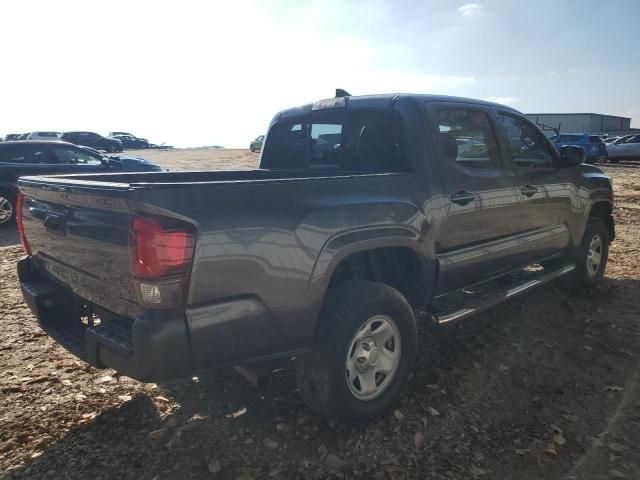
(499, 379)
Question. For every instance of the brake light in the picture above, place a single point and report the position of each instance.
(23, 237)
(161, 253)
(160, 248)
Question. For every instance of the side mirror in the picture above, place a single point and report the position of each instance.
(571, 155)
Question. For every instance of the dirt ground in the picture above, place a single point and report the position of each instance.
(545, 386)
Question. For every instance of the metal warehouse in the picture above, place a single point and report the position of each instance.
(580, 122)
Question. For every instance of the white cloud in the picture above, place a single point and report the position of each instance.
(502, 100)
(470, 10)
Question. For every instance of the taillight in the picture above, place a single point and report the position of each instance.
(23, 237)
(161, 252)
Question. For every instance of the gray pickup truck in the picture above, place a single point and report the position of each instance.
(363, 208)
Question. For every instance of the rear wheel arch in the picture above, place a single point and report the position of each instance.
(398, 266)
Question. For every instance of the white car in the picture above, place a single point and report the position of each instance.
(625, 148)
(44, 136)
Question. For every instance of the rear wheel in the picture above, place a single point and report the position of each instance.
(252, 148)
(7, 208)
(364, 354)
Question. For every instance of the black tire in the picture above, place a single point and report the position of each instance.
(585, 276)
(322, 375)
(252, 149)
(8, 207)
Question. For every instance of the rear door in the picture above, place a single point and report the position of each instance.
(478, 232)
(545, 189)
(26, 159)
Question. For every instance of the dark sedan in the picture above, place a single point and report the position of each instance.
(45, 157)
(131, 141)
(93, 140)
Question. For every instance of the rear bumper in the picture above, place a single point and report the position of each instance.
(154, 347)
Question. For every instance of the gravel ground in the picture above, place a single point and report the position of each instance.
(545, 386)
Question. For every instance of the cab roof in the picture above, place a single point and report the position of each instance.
(381, 101)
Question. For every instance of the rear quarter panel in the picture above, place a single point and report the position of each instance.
(275, 244)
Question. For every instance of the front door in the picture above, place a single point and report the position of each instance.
(480, 222)
(72, 159)
(546, 190)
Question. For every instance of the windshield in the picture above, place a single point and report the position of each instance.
(348, 141)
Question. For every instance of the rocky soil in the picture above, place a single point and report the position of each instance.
(545, 386)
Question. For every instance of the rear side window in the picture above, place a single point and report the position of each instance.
(595, 139)
(526, 145)
(26, 154)
(347, 141)
(467, 139)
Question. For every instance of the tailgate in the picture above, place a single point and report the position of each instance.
(79, 235)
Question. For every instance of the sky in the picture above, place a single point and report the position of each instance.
(193, 73)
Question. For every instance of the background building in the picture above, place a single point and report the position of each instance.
(581, 122)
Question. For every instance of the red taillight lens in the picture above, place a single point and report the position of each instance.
(23, 237)
(160, 247)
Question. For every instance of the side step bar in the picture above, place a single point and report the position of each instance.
(503, 295)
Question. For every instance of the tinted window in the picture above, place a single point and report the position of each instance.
(466, 138)
(76, 156)
(27, 154)
(570, 138)
(526, 145)
(356, 141)
(595, 139)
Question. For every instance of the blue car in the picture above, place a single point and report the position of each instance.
(594, 148)
(31, 157)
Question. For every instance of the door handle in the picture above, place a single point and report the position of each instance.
(462, 197)
(528, 190)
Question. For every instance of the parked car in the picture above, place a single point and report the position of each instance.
(113, 134)
(93, 140)
(49, 157)
(326, 261)
(10, 137)
(129, 141)
(44, 136)
(593, 145)
(256, 145)
(625, 148)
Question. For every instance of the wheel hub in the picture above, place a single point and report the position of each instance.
(373, 358)
(367, 355)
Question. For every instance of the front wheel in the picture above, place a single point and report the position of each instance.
(591, 255)
(364, 354)
(7, 208)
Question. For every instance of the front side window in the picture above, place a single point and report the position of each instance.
(346, 141)
(467, 139)
(75, 156)
(526, 145)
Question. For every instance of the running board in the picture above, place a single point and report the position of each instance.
(503, 295)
